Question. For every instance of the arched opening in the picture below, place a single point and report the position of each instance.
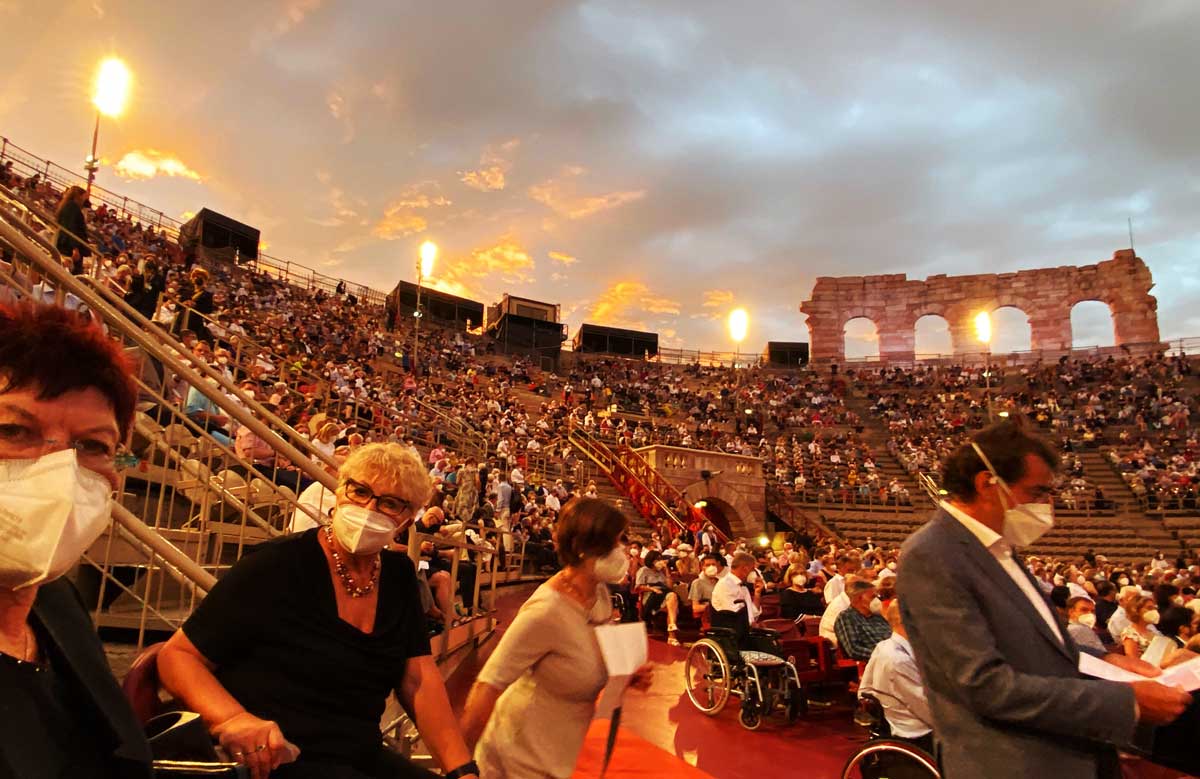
(862, 339)
(1092, 324)
(932, 337)
(1011, 331)
(719, 513)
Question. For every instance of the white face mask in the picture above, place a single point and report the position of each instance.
(711, 571)
(611, 568)
(876, 606)
(891, 566)
(1087, 619)
(1150, 617)
(362, 531)
(51, 511)
(1123, 581)
(799, 581)
(1024, 523)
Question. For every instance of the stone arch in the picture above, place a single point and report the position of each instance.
(1012, 330)
(731, 503)
(894, 302)
(859, 341)
(1092, 324)
(931, 336)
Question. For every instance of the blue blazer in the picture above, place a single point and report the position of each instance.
(1006, 694)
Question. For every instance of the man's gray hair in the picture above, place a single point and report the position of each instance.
(743, 558)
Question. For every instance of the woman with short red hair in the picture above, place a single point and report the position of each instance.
(66, 404)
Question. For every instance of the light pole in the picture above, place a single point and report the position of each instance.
(113, 80)
(983, 333)
(429, 252)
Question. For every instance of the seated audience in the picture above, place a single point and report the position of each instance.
(860, 626)
(893, 677)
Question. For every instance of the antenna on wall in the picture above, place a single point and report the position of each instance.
(1131, 234)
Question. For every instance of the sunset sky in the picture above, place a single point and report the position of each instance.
(646, 164)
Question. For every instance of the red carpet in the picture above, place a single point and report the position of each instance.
(632, 757)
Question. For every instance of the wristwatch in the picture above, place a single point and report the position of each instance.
(466, 769)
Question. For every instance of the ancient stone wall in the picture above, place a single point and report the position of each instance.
(1046, 295)
(736, 480)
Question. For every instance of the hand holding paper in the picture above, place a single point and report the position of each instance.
(624, 649)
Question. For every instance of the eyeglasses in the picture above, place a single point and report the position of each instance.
(361, 495)
(19, 442)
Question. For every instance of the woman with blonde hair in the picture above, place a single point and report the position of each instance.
(291, 657)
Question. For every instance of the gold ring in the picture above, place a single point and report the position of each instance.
(260, 747)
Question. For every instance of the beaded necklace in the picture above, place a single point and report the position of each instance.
(344, 573)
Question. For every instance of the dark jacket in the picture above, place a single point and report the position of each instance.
(63, 616)
(73, 233)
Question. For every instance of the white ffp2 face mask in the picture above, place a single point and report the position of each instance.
(362, 531)
(51, 510)
(1024, 523)
(612, 567)
(1088, 620)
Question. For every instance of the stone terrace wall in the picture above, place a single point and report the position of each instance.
(1046, 295)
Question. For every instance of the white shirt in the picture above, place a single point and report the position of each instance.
(318, 500)
(893, 677)
(1118, 622)
(1002, 551)
(835, 607)
(834, 587)
(730, 595)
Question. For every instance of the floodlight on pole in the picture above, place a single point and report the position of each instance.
(739, 323)
(428, 254)
(983, 327)
(983, 332)
(110, 95)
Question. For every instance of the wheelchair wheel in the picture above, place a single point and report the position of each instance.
(888, 758)
(750, 717)
(707, 676)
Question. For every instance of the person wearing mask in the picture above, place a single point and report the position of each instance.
(1143, 617)
(893, 677)
(1001, 673)
(1117, 623)
(528, 711)
(861, 626)
(701, 590)
(737, 596)
(66, 402)
(846, 565)
(291, 657)
(798, 600)
(1081, 624)
(832, 611)
(653, 586)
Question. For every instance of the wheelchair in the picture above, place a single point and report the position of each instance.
(883, 756)
(765, 682)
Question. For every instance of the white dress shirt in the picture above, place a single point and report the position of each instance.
(1002, 551)
(834, 587)
(829, 618)
(893, 677)
(729, 594)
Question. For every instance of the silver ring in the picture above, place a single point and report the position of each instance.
(260, 747)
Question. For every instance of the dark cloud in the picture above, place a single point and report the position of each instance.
(674, 147)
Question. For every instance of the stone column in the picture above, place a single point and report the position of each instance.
(897, 334)
(1050, 328)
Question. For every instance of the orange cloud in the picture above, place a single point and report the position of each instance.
(562, 195)
(475, 275)
(620, 304)
(717, 298)
(562, 258)
(142, 165)
(295, 13)
(494, 165)
(401, 219)
(345, 210)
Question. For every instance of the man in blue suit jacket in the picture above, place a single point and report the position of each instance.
(1000, 669)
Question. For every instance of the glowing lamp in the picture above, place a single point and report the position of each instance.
(983, 327)
(113, 81)
(429, 252)
(739, 323)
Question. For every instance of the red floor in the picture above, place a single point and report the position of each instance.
(814, 747)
